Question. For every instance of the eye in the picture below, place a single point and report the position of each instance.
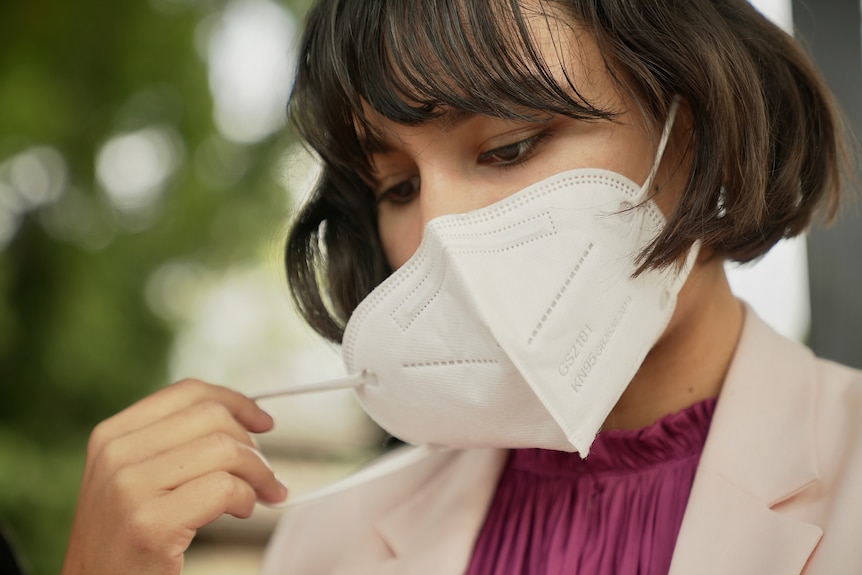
(401, 193)
(514, 153)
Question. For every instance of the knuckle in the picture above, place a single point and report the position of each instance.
(235, 495)
(111, 457)
(226, 448)
(100, 436)
(191, 387)
(214, 417)
(225, 485)
(124, 486)
(214, 412)
(245, 507)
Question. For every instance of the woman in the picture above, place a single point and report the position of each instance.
(556, 186)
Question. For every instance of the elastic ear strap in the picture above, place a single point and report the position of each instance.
(388, 464)
(360, 379)
(662, 144)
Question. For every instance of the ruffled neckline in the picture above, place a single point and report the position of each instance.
(676, 436)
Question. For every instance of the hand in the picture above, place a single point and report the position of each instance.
(160, 470)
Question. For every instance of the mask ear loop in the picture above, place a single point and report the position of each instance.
(390, 463)
(662, 144)
(355, 381)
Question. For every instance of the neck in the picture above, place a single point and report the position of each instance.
(689, 362)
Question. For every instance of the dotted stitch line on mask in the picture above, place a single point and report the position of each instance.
(406, 298)
(655, 215)
(361, 313)
(497, 210)
(506, 248)
(559, 295)
(420, 311)
(545, 214)
(449, 363)
(500, 210)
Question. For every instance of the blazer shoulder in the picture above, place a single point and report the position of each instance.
(831, 373)
(838, 409)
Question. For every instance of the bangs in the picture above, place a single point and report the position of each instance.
(412, 61)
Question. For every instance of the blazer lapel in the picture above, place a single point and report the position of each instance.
(760, 452)
(433, 530)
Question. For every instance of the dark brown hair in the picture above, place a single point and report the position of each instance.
(765, 145)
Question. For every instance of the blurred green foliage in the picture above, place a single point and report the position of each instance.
(78, 341)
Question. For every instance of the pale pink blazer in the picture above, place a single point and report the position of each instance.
(778, 490)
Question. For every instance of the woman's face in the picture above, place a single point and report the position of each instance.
(461, 162)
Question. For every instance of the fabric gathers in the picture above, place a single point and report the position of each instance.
(616, 512)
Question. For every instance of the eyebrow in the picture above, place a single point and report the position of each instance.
(449, 121)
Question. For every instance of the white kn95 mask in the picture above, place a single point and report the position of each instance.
(519, 324)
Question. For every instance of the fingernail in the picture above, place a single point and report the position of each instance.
(268, 416)
(282, 487)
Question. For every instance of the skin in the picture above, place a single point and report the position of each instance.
(453, 165)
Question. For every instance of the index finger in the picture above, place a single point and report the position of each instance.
(180, 395)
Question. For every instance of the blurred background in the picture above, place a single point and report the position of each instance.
(146, 182)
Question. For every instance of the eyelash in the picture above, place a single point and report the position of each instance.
(389, 194)
(526, 149)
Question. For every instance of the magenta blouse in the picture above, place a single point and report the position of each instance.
(616, 512)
